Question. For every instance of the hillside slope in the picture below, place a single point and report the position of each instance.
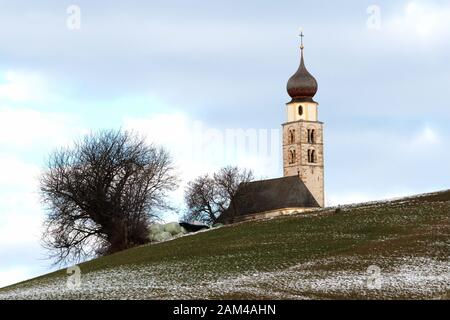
(324, 254)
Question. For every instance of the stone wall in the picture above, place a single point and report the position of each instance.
(270, 214)
(312, 174)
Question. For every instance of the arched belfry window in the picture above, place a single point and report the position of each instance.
(311, 136)
(311, 156)
(291, 135)
(291, 156)
(300, 110)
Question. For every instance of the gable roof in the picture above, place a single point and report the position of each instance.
(266, 195)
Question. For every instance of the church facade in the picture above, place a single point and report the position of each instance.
(302, 186)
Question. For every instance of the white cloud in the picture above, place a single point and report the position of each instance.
(20, 229)
(21, 124)
(422, 21)
(26, 134)
(24, 127)
(15, 173)
(13, 275)
(21, 212)
(21, 217)
(425, 139)
(21, 87)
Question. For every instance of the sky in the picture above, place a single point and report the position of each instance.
(199, 77)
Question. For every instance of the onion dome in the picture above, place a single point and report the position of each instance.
(302, 85)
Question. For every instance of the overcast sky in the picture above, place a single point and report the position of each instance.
(193, 74)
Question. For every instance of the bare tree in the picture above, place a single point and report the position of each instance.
(228, 180)
(202, 200)
(208, 197)
(102, 192)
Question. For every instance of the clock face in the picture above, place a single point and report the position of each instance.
(300, 110)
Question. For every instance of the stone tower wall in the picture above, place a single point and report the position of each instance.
(311, 173)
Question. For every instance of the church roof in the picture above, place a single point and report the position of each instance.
(302, 86)
(266, 195)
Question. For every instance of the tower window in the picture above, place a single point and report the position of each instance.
(311, 136)
(291, 156)
(291, 135)
(300, 110)
(311, 156)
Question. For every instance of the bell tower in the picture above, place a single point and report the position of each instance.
(303, 132)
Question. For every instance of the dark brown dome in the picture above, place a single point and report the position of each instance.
(302, 85)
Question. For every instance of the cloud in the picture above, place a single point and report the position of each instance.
(21, 212)
(13, 275)
(20, 87)
(26, 135)
(22, 123)
(21, 229)
(15, 173)
(426, 139)
(24, 127)
(421, 21)
(21, 217)
(199, 148)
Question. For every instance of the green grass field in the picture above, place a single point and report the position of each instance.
(319, 255)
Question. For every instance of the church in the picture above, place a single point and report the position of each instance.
(302, 186)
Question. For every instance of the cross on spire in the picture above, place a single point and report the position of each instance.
(301, 37)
